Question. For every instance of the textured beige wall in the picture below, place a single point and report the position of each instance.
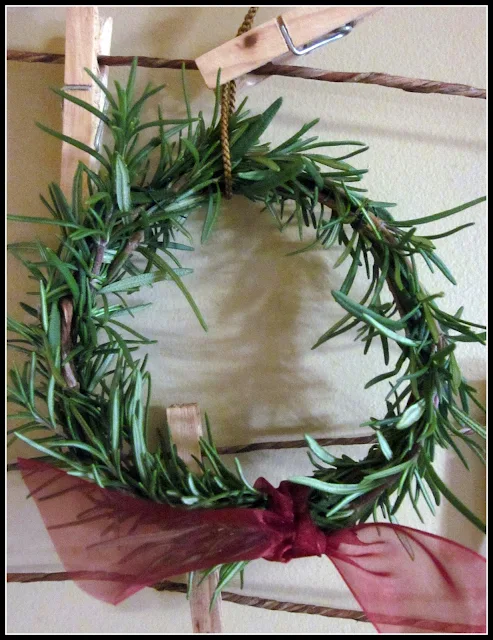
(254, 372)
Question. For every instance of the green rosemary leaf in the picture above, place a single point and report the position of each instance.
(122, 344)
(358, 311)
(473, 337)
(319, 451)
(332, 333)
(137, 424)
(103, 88)
(456, 374)
(54, 328)
(226, 574)
(59, 443)
(212, 214)
(63, 209)
(217, 102)
(49, 452)
(82, 103)
(388, 332)
(135, 282)
(386, 473)
(381, 377)
(148, 92)
(43, 306)
(30, 310)
(384, 445)
(122, 185)
(424, 492)
(314, 173)
(465, 420)
(164, 265)
(340, 143)
(134, 163)
(325, 487)
(76, 143)
(131, 80)
(443, 268)
(430, 322)
(266, 162)
(254, 131)
(355, 153)
(192, 149)
(179, 247)
(142, 338)
(274, 179)
(114, 404)
(412, 414)
(351, 274)
(63, 269)
(347, 250)
(458, 321)
(35, 220)
(449, 233)
(296, 137)
(303, 249)
(442, 487)
(242, 476)
(439, 216)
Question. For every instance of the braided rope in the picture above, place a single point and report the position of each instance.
(228, 99)
(413, 85)
(277, 445)
(274, 445)
(250, 601)
(246, 26)
(261, 603)
(295, 444)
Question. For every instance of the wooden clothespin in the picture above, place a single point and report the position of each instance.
(308, 26)
(186, 427)
(86, 37)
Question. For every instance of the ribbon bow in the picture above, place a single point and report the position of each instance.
(113, 544)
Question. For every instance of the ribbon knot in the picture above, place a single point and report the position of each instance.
(301, 538)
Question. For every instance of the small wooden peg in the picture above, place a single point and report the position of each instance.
(266, 42)
(186, 426)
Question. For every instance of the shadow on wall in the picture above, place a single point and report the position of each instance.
(253, 362)
(470, 488)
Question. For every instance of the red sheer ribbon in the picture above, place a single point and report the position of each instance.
(113, 544)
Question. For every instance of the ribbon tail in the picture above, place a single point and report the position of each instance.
(409, 581)
(113, 544)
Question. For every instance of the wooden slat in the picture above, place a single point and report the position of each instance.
(186, 426)
(265, 42)
(82, 33)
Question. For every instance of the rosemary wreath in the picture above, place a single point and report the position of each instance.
(82, 384)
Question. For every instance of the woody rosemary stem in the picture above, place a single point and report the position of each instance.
(68, 371)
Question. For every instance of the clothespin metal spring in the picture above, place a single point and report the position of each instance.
(337, 34)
